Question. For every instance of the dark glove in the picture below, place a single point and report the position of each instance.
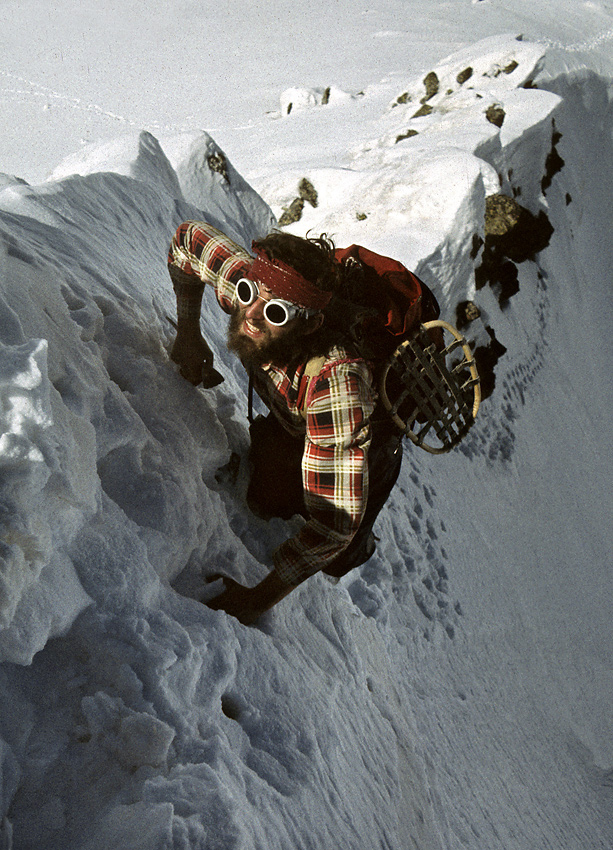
(210, 376)
(195, 360)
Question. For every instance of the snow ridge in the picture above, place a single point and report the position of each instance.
(445, 695)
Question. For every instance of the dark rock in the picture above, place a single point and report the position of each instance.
(501, 215)
(402, 99)
(464, 75)
(513, 231)
(466, 312)
(307, 192)
(426, 109)
(495, 114)
(292, 213)
(217, 162)
(408, 134)
(431, 83)
(512, 236)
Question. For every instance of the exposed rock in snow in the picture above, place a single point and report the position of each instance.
(299, 99)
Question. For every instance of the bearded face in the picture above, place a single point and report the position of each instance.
(256, 342)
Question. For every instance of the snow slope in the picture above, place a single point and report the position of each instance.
(73, 73)
(452, 693)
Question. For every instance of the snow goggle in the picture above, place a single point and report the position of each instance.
(277, 311)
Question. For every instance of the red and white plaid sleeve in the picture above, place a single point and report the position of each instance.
(202, 250)
(334, 470)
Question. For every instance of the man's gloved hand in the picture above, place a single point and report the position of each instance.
(210, 377)
(247, 604)
(195, 359)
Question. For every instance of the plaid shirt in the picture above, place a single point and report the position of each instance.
(338, 408)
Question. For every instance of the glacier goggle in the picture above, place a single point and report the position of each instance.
(277, 311)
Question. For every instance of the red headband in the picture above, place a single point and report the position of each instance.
(286, 282)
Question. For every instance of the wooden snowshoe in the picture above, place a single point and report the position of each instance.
(432, 393)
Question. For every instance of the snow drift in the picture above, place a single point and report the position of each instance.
(452, 692)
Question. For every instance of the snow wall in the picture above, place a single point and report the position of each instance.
(455, 691)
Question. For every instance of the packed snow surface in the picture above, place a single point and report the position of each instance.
(455, 691)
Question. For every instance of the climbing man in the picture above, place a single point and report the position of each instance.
(326, 450)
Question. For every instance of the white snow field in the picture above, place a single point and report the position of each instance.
(454, 693)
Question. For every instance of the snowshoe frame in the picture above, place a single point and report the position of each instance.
(442, 398)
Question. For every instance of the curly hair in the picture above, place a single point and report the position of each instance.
(312, 256)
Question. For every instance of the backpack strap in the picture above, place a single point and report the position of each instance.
(311, 370)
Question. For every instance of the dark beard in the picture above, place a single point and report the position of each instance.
(279, 352)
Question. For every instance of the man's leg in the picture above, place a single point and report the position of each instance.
(384, 462)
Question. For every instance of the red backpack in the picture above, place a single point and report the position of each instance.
(390, 302)
(430, 392)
